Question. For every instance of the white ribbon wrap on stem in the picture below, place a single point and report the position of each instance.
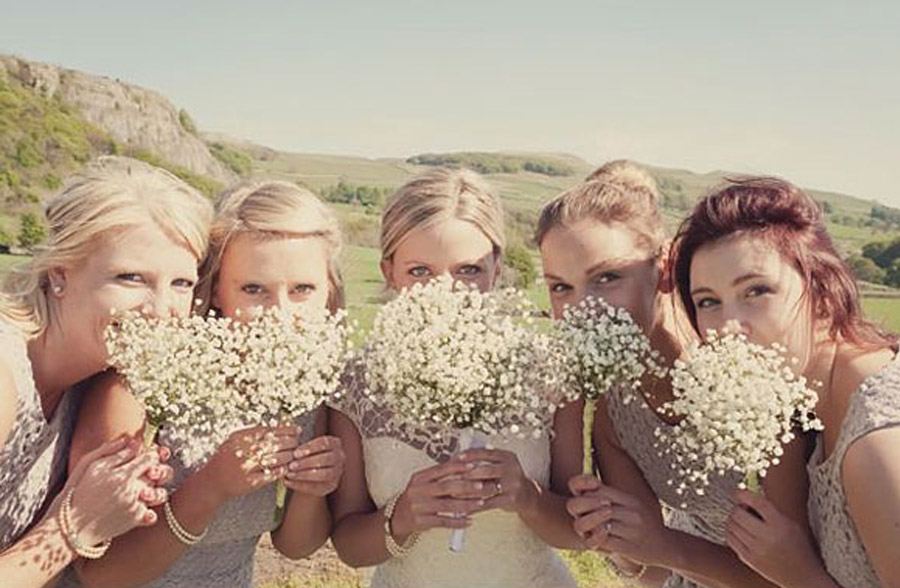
(468, 439)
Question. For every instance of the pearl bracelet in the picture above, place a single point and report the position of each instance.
(65, 526)
(390, 543)
(180, 532)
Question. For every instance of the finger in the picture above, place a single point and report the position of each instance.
(439, 471)
(748, 521)
(488, 455)
(617, 496)
(317, 460)
(323, 444)
(736, 542)
(757, 502)
(159, 474)
(151, 496)
(487, 472)
(591, 523)
(580, 484)
(584, 504)
(139, 466)
(435, 521)
(458, 488)
(315, 475)
(274, 444)
(120, 458)
(265, 477)
(104, 450)
(164, 453)
(447, 507)
(274, 460)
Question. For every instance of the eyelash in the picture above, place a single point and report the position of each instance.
(134, 277)
(560, 288)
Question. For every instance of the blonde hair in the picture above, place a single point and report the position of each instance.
(271, 209)
(112, 194)
(618, 191)
(438, 195)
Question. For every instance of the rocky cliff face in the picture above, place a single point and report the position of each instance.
(135, 117)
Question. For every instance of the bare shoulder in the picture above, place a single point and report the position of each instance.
(9, 397)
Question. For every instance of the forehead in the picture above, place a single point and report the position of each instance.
(249, 255)
(592, 241)
(446, 241)
(738, 255)
(145, 244)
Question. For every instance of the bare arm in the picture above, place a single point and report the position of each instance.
(645, 539)
(146, 553)
(871, 476)
(307, 519)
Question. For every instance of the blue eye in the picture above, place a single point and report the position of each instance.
(183, 283)
(758, 290)
(420, 271)
(559, 288)
(469, 270)
(304, 288)
(252, 289)
(606, 278)
(130, 277)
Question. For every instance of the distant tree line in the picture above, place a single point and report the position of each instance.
(491, 163)
(879, 263)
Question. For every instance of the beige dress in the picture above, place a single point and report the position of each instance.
(875, 405)
(705, 516)
(500, 550)
(34, 459)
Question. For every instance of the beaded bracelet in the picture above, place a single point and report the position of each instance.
(628, 575)
(65, 525)
(180, 532)
(390, 543)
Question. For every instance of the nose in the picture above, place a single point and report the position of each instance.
(161, 303)
(734, 322)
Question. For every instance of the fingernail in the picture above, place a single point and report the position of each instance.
(293, 467)
(479, 485)
(470, 466)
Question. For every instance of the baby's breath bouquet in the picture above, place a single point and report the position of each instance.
(456, 361)
(204, 376)
(739, 403)
(603, 347)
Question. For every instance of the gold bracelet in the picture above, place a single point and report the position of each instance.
(622, 574)
(395, 549)
(180, 532)
(64, 519)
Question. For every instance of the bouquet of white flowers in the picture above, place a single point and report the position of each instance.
(457, 361)
(739, 403)
(203, 376)
(602, 347)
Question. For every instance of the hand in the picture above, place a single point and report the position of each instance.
(316, 467)
(777, 547)
(437, 497)
(612, 521)
(110, 495)
(250, 459)
(157, 477)
(506, 485)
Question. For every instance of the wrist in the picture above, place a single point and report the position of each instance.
(209, 495)
(400, 523)
(529, 503)
(673, 555)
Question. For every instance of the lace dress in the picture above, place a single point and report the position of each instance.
(705, 516)
(34, 459)
(224, 558)
(500, 550)
(875, 405)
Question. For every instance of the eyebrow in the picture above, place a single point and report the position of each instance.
(737, 281)
(607, 264)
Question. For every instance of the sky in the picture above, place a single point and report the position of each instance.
(806, 90)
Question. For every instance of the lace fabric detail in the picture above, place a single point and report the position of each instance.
(704, 516)
(874, 405)
(375, 419)
(34, 459)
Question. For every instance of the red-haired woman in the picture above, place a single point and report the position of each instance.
(756, 252)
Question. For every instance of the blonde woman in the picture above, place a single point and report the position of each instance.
(449, 222)
(123, 235)
(271, 244)
(605, 238)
